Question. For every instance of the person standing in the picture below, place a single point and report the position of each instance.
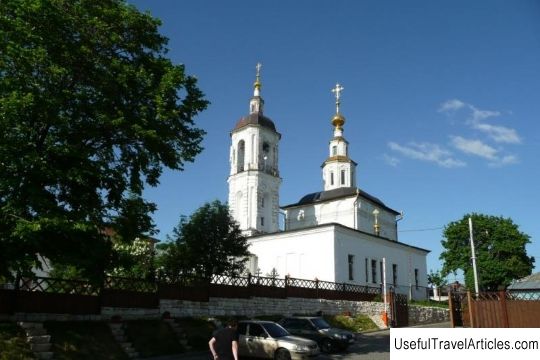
(224, 342)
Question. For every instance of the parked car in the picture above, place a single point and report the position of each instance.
(266, 339)
(316, 328)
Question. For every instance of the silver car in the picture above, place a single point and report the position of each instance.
(266, 339)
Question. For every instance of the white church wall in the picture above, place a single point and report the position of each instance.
(300, 254)
(363, 246)
(340, 211)
(386, 219)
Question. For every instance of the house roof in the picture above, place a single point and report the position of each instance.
(527, 283)
(330, 195)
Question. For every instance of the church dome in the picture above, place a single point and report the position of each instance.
(255, 119)
(338, 120)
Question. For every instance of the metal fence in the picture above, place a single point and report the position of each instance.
(53, 295)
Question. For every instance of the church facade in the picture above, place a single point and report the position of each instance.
(341, 234)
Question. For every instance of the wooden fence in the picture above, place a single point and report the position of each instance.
(501, 309)
(49, 295)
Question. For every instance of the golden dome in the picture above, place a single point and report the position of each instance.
(338, 120)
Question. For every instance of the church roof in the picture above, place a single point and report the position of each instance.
(334, 194)
(255, 119)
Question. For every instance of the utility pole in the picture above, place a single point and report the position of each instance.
(473, 257)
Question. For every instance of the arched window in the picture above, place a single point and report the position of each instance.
(241, 155)
(331, 178)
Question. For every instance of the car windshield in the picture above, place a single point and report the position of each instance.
(275, 330)
(320, 323)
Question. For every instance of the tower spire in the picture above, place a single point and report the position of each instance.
(257, 83)
(338, 120)
(256, 103)
(338, 169)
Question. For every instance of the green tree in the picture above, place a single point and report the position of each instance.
(91, 111)
(437, 280)
(207, 243)
(500, 251)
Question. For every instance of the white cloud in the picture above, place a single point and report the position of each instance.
(451, 105)
(427, 152)
(479, 115)
(474, 147)
(505, 160)
(390, 160)
(499, 134)
(478, 148)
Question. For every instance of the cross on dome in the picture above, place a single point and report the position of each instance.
(337, 91)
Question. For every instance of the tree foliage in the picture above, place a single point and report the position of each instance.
(207, 243)
(500, 251)
(437, 279)
(91, 110)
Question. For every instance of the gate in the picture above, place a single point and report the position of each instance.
(457, 303)
(399, 309)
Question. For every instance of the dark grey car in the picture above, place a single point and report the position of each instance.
(316, 328)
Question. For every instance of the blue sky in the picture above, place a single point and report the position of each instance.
(441, 100)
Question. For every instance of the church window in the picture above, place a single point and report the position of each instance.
(366, 270)
(241, 155)
(374, 271)
(266, 147)
(342, 177)
(334, 150)
(331, 178)
(262, 202)
(262, 220)
(351, 267)
(394, 274)
(416, 278)
(300, 216)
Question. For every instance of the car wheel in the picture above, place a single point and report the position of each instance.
(327, 346)
(282, 354)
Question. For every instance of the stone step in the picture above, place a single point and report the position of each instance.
(126, 345)
(30, 325)
(116, 325)
(40, 347)
(117, 331)
(36, 332)
(39, 339)
(120, 338)
(47, 355)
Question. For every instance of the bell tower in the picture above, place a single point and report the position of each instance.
(338, 169)
(254, 176)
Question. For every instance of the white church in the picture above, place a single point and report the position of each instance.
(340, 234)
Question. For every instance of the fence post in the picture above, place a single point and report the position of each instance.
(471, 305)
(287, 286)
(504, 309)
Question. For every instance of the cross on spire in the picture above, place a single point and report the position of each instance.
(337, 91)
(258, 67)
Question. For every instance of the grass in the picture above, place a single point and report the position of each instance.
(355, 324)
(430, 303)
(13, 345)
(152, 338)
(83, 340)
